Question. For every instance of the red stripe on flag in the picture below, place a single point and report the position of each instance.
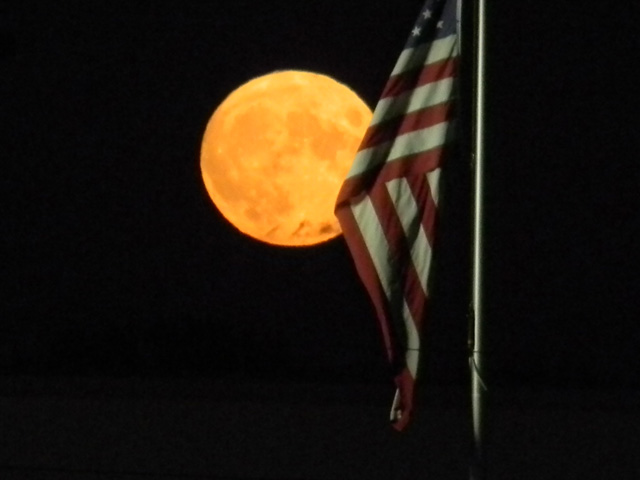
(416, 164)
(401, 246)
(390, 129)
(406, 285)
(424, 197)
(421, 75)
(366, 270)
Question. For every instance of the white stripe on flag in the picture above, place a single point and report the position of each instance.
(412, 357)
(403, 145)
(405, 205)
(413, 341)
(427, 95)
(436, 51)
(374, 238)
(419, 141)
(433, 179)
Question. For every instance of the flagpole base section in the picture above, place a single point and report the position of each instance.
(478, 463)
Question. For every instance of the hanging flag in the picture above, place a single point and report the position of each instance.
(387, 205)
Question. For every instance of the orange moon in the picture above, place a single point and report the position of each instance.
(276, 151)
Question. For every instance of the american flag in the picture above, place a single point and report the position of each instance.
(387, 204)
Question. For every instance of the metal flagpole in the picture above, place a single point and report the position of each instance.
(476, 360)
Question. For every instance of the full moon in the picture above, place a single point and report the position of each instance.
(276, 151)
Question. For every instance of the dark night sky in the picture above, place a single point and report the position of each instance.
(118, 263)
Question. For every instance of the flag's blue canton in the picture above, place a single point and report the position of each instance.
(436, 20)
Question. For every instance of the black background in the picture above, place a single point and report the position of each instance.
(117, 263)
